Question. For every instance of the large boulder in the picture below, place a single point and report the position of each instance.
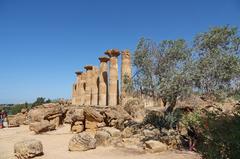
(82, 142)
(92, 114)
(18, 119)
(115, 117)
(112, 131)
(28, 149)
(155, 146)
(77, 127)
(78, 115)
(12, 121)
(92, 119)
(36, 114)
(74, 114)
(102, 138)
(46, 111)
(43, 126)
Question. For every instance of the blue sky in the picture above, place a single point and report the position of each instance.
(43, 42)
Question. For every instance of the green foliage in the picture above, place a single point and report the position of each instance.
(163, 70)
(40, 101)
(218, 134)
(17, 108)
(167, 121)
(218, 62)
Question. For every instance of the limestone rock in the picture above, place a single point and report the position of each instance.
(78, 115)
(102, 138)
(127, 132)
(115, 117)
(12, 121)
(77, 127)
(112, 131)
(55, 121)
(46, 111)
(36, 115)
(155, 146)
(82, 142)
(92, 115)
(28, 149)
(74, 114)
(43, 126)
(92, 125)
(151, 133)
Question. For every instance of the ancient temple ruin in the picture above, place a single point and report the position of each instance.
(100, 86)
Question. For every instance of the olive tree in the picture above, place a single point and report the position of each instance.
(163, 70)
(217, 59)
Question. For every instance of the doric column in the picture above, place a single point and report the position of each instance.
(113, 77)
(88, 90)
(103, 81)
(74, 94)
(82, 88)
(126, 72)
(95, 86)
(78, 88)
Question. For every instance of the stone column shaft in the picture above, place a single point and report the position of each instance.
(113, 77)
(74, 94)
(78, 88)
(88, 90)
(126, 72)
(82, 89)
(103, 81)
(95, 86)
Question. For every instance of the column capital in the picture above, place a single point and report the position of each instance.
(103, 59)
(113, 53)
(88, 67)
(125, 52)
(78, 73)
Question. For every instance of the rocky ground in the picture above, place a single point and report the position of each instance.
(55, 145)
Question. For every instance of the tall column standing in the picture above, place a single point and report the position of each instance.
(88, 90)
(103, 81)
(113, 77)
(95, 86)
(82, 89)
(74, 94)
(126, 72)
(78, 88)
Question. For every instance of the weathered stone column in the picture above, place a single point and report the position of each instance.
(78, 88)
(88, 90)
(82, 88)
(95, 86)
(126, 72)
(74, 94)
(103, 81)
(113, 77)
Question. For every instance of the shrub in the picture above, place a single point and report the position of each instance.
(218, 135)
(158, 120)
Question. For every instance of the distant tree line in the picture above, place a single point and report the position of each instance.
(173, 69)
(16, 108)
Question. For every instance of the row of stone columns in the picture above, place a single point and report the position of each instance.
(101, 86)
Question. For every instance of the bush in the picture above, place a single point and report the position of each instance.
(218, 135)
(167, 120)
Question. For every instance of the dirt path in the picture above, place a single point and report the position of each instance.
(55, 145)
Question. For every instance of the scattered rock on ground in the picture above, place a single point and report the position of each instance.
(155, 146)
(82, 142)
(112, 131)
(102, 138)
(43, 126)
(28, 149)
(77, 127)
